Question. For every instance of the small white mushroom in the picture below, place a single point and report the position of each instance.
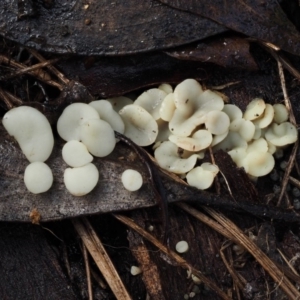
(140, 126)
(32, 131)
(151, 101)
(258, 145)
(108, 114)
(232, 141)
(219, 138)
(134, 270)
(69, 124)
(76, 154)
(232, 111)
(282, 135)
(81, 181)
(163, 131)
(168, 158)
(167, 88)
(167, 107)
(200, 140)
(182, 247)
(132, 180)
(266, 118)
(245, 128)
(192, 104)
(254, 109)
(200, 177)
(99, 137)
(258, 163)
(281, 113)
(119, 102)
(217, 122)
(38, 177)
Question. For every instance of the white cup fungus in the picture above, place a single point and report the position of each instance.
(99, 137)
(81, 181)
(281, 113)
(69, 124)
(134, 270)
(182, 247)
(140, 126)
(192, 104)
(76, 154)
(151, 101)
(132, 180)
(108, 114)
(202, 177)
(32, 131)
(167, 156)
(254, 109)
(38, 177)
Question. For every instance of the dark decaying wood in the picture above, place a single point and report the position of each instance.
(101, 27)
(17, 203)
(29, 267)
(264, 20)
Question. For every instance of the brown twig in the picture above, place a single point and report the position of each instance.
(277, 275)
(59, 75)
(101, 258)
(183, 263)
(88, 272)
(287, 172)
(35, 73)
(30, 69)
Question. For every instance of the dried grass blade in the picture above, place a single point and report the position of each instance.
(101, 258)
(183, 263)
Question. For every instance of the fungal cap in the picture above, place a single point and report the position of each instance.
(200, 140)
(281, 113)
(32, 131)
(217, 122)
(167, 108)
(99, 137)
(151, 101)
(266, 118)
(182, 247)
(200, 177)
(76, 154)
(70, 122)
(282, 135)
(258, 163)
(168, 158)
(140, 126)
(38, 177)
(81, 181)
(132, 180)
(254, 109)
(108, 114)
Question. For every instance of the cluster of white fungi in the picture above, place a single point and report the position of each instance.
(181, 124)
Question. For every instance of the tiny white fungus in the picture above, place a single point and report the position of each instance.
(38, 177)
(108, 114)
(32, 131)
(76, 154)
(151, 101)
(140, 126)
(69, 124)
(281, 113)
(134, 270)
(168, 158)
(80, 181)
(182, 247)
(254, 109)
(132, 180)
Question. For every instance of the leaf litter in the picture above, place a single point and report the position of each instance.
(252, 279)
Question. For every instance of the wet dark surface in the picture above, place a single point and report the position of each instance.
(263, 20)
(101, 27)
